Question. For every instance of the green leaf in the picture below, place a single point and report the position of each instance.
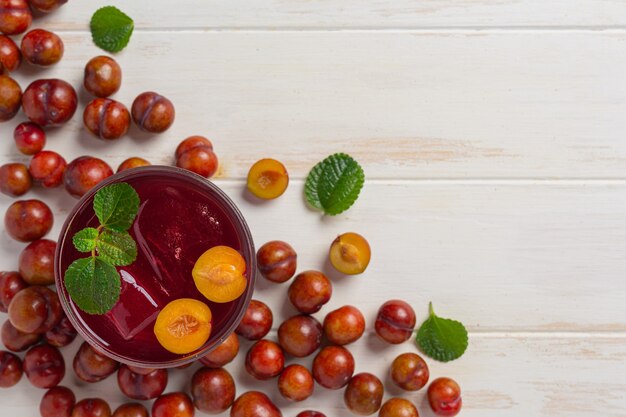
(116, 248)
(334, 184)
(85, 240)
(93, 285)
(116, 206)
(111, 28)
(442, 339)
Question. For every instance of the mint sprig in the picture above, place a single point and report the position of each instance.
(93, 283)
(442, 339)
(334, 184)
(111, 28)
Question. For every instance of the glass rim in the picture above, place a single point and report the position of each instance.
(247, 245)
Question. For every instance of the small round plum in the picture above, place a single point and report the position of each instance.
(309, 291)
(350, 254)
(265, 360)
(444, 397)
(192, 142)
(28, 220)
(47, 168)
(37, 262)
(91, 407)
(41, 47)
(300, 335)
(267, 179)
(107, 119)
(141, 386)
(254, 404)
(277, 261)
(212, 390)
(17, 341)
(10, 97)
(49, 102)
(398, 407)
(196, 154)
(174, 404)
(152, 112)
(57, 402)
(15, 17)
(29, 138)
(200, 160)
(183, 325)
(409, 371)
(62, 334)
(44, 366)
(134, 162)
(131, 410)
(10, 369)
(46, 6)
(333, 367)
(35, 310)
(364, 394)
(103, 76)
(15, 180)
(395, 321)
(91, 366)
(296, 383)
(84, 173)
(10, 284)
(10, 55)
(256, 322)
(344, 325)
(222, 354)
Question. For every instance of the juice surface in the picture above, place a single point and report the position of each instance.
(178, 220)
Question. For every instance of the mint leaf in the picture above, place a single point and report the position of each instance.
(111, 28)
(93, 285)
(85, 240)
(442, 339)
(116, 206)
(116, 248)
(334, 184)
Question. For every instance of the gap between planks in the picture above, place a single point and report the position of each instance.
(435, 30)
(467, 181)
(546, 334)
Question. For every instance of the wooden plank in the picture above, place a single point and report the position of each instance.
(507, 376)
(525, 257)
(375, 14)
(407, 105)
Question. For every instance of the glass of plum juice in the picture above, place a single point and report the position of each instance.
(180, 217)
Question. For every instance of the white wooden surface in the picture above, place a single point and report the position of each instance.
(492, 136)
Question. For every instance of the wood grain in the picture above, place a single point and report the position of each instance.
(367, 14)
(429, 105)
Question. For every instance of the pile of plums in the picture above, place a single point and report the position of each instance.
(35, 316)
(53, 102)
(37, 325)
